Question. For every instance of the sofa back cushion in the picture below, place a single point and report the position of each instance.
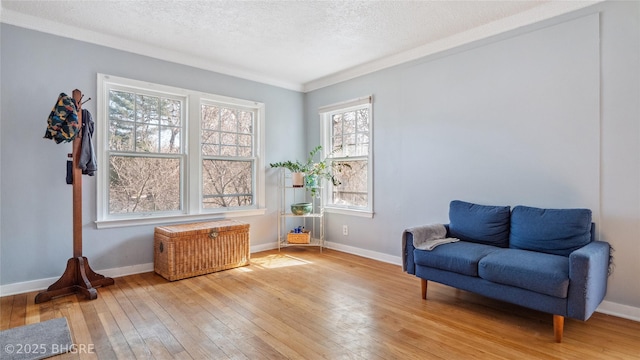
(479, 223)
(552, 231)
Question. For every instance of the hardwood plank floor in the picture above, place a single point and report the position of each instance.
(303, 304)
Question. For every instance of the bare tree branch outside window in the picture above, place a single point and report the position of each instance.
(139, 127)
(227, 149)
(350, 131)
(160, 159)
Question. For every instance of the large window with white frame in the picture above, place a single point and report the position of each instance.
(166, 152)
(347, 131)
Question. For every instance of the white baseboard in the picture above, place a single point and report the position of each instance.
(26, 286)
(619, 310)
(606, 307)
(42, 284)
(264, 247)
(396, 260)
(127, 270)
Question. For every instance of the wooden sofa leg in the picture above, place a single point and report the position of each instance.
(558, 327)
(423, 286)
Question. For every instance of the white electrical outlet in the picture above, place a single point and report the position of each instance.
(345, 230)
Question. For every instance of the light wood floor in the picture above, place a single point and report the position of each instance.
(302, 304)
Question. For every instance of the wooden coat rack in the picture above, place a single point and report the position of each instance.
(78, 277)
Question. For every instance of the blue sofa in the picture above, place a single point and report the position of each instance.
(543, 259)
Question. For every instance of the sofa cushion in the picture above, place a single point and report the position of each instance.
(460, 257)
(479, 223)
(530, 270)
(553, 231)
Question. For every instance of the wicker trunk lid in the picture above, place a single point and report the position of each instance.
(186, 250)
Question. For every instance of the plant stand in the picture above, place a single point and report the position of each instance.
(288, 193)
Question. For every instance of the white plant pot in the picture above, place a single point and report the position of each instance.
(297, 179)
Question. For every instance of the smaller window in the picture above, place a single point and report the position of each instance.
(347, 132)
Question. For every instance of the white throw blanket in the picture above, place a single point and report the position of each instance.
(426, 237)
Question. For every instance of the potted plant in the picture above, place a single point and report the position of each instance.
(297, 171)
(313, 170)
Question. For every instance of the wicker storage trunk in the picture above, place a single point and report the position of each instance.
(182, 251)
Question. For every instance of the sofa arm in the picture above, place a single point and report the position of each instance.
(588, 273)
(407, 253)
(408, 264)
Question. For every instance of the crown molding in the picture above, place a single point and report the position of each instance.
(537, 14)
(68, 31)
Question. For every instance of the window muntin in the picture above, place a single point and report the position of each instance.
(143, 123)
(350, 133)
(227, 131)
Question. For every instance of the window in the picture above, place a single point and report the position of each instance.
(170, 152)
(227, 156)
(347, 132)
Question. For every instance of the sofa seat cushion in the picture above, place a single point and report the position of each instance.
(461, 257)
(553, 231)
(543, 273)
(479, 223)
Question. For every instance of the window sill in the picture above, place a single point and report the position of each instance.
(163, 220)
(352, 212)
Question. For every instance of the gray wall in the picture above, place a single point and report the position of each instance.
(36, 221)
(544, 116)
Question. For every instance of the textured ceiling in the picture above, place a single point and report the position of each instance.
(295, 44)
